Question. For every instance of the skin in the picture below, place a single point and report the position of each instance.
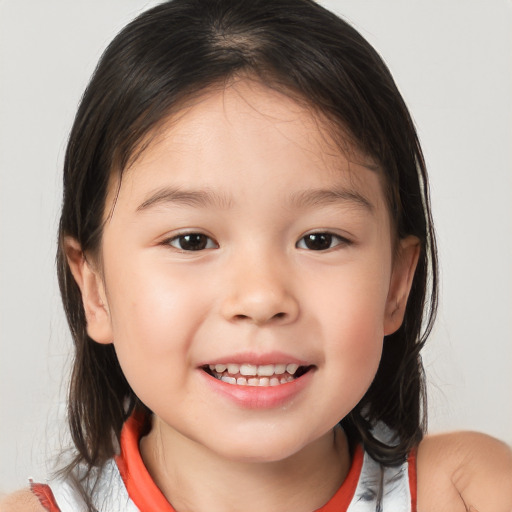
(464, 471)
(249, 170)
(255, 293)
(457, 472)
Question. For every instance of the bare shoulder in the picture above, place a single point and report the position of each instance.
(463, 471)
(21, 501)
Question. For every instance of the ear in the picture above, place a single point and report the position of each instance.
(91, 285)
(402, 276)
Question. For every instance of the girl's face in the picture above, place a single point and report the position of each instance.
(247, 276)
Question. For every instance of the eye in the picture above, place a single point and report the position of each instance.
(192, 242)
(321, 241)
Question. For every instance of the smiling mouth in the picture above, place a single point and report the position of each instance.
(256, 375)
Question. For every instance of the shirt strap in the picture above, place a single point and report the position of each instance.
(45, 496)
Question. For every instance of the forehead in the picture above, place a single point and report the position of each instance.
(246, 133)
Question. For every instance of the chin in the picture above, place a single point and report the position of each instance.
(260, 448)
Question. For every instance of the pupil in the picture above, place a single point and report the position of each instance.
(194, 242)
(318, 241)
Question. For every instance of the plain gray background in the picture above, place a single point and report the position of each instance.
(452, 59)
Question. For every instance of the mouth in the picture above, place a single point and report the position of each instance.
(256, 375)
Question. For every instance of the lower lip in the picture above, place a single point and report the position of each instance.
(259, 397)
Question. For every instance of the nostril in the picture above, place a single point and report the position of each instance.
(277, 316)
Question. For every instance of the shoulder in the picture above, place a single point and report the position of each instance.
(463, 471)
(21, 501)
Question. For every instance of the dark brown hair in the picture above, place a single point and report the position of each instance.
(175, 51)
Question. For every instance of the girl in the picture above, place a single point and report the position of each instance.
(246, 257)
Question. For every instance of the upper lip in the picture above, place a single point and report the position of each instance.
(256, 359)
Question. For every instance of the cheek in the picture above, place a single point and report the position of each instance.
(353, 358)
(354, 304)
(353, 312)
(154, 320)
(355, 341)
(147, 300)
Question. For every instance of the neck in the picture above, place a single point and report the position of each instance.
(193, 477)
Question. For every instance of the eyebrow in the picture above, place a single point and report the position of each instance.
(198, 198)
(320, 197)
(208, 198)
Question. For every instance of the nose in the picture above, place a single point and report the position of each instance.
(259, 292)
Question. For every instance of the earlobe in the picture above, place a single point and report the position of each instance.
(92, 288)
(401, 281)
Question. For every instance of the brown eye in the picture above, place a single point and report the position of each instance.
(192, 242)
(320, 241)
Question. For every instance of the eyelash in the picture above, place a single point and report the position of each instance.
(322, 237)
(306, 242)
(209, 243)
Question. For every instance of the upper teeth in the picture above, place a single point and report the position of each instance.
(265, 370)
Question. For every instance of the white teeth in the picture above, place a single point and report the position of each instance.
(233, 368)
(280, 369)
(292, 368)
(248, 369)
(253, 375)
(252, 370)
(266, 370)
(256, 381)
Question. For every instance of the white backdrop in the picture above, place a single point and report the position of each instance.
(452, 60)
